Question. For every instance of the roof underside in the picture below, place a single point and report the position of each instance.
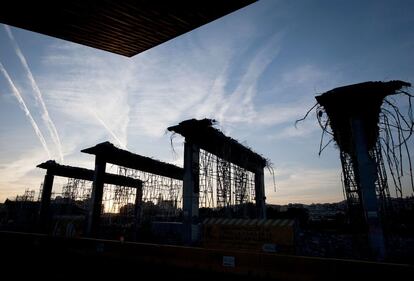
(123, 27)
(86, 174)
(111, 154)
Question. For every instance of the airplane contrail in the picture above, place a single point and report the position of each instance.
(25, 109)
(108, 129)
(38, 95)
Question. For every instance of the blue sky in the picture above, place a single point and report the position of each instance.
(256, 71)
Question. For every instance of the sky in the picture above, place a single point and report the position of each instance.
(255, 71)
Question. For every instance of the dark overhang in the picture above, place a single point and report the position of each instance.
(85, 174)
(202, 133)
(124, 27)
(111, 154)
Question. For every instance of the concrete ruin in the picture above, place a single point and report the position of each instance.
(201, 135)
(55, 169)
(107, 153)
(353, 114)
(237, 163)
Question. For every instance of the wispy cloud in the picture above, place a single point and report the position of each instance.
(276, 114)
(90, 92)
(301, 131)
(109, 130)
(239, 105)
(304, 74)
(25, 109)
(141, 97)
(38, 95)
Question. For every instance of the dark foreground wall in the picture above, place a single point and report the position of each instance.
(52, 258)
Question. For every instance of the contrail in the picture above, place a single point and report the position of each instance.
(38, 95)
(109, 130)
(25, 109)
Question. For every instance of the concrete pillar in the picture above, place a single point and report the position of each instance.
(366, 168)
(44, 211)
(96, 197)
(191, 193)
(138, 210)
(260, 196)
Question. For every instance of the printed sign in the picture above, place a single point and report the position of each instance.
(229, 261)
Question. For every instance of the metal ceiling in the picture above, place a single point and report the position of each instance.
(123, 27)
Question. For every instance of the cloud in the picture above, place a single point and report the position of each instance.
(38, 95)
(25, 109)
(89, 90)
(280, 113)
(120, 143)
(304, 74)
(184, 89)
(301, 131)
(239, 105)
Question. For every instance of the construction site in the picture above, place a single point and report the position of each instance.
(208, 217)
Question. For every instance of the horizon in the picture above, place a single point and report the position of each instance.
(256, 71)
(37, 192)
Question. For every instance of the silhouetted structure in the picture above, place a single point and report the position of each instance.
(233, 162)
(107, 153)
(55, 169)
(353, 114)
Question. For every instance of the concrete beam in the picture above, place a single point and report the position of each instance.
(124, 158)
(210, 139)
(56, 169)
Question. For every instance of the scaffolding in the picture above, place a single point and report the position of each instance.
(218, 173)
(387, 131)
(367, 125)
(27, 196)
(351, 188)
(77, 191)
(224, 184)
(73, 201)
(158, 192)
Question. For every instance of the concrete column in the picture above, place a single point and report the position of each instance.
(138, 210)
(191, 193)
(96, 197)
(44, 211)
(260, 193)
(367, 172)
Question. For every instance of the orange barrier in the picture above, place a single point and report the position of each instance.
(258, 235)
